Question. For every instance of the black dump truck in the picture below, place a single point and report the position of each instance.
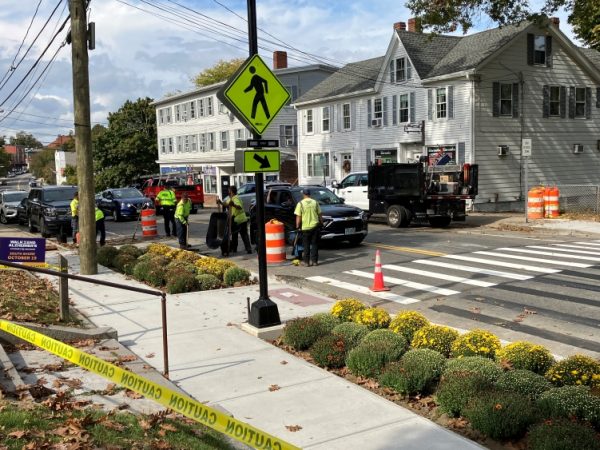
(420, 192)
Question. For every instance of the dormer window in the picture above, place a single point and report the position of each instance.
(539, 50)
(400, 70)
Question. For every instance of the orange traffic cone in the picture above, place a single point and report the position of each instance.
(378, 284)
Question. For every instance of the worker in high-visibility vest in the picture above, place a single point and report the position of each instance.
(182, 212)
(75, 216)
(100, 228)
(167, 201)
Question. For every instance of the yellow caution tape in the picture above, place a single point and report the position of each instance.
(43, 265)
(180, 403)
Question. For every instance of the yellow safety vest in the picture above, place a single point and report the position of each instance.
(74, 207)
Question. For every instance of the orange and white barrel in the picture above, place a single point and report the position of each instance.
(149, 223)
(551, 202)
(275, 242)
(535, 203)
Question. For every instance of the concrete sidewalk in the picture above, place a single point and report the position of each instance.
(217, 363)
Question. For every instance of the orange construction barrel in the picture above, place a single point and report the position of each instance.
(551, 202)
(275, 242)
(535, 203)
(149, 223)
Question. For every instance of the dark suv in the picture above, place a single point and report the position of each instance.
(48, 208)
(340, 222)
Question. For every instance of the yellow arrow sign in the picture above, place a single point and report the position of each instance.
(254, 94)
(261, 161)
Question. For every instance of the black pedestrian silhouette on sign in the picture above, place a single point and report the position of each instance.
(257, 83)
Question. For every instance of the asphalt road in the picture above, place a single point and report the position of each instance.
(519, 285)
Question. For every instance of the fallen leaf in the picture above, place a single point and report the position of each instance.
(132, 394)
(274, 387)
(127, 358)
(17, 434)
(168, 427)
(150, 355)
(283, 362)
(529, 311)
(476, 310)
(293, 428)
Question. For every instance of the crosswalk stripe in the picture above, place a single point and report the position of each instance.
(564, 250)
(594, 244)
(364, 290)
(496, 273)
(579, 247)
(540, 260)
(406, 283)
(442, 276)
(549, 253)
(502, 264)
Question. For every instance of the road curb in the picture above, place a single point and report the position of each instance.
(62, 333)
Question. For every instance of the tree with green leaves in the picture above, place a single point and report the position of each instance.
(127, 147)
(43, 165)
(221, 71)
(441, 16)
(4, 161)
(71, 175)
(26, 140)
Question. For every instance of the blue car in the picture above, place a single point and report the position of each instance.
(122, 203)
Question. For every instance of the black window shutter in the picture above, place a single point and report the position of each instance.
(530, 38)
(563, 102)
(450, 102)
(429, 105)
(548, 51)
(385, 111)
(369, 113)
(571, 102)
(392, 72)
(588, 103)
(412, 107)
(460, 158)
(495, 99)
(598, 97)
(515, 100)
(282, 135)
(408, 69)
(294, 93)
(394, 109)
(546, 101)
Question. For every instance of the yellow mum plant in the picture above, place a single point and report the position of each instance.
(435, 337)
(159, 249)
(187, 256)
(525, 355)
(346, 308)
(574, 371)
(476, 343)
(373, 318)
(213, 266)
(407, 323)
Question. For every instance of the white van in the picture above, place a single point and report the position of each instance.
(354, 189)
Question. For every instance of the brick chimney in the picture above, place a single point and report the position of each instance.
(279, 59)
(555, 21)
(400, 26)
(414, 25)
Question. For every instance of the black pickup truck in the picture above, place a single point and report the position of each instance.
(48, 209)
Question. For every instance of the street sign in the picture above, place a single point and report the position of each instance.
(262, 161)
(526, 147)
(254, 94)
(262, 143)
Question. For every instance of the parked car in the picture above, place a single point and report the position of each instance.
(22, 211)
(354, 189)
(247, 193)
(48, 208)
(8, 205)
(340, 222)
(122, 203)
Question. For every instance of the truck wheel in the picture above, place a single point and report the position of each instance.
(116, 215)
(439, 222)
(3, 218)
(32, 227)
(397, 216)
(44, 229)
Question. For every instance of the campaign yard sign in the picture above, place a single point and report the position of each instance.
(23, 250)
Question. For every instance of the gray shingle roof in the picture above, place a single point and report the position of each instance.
(425, 50)
(592, 55)
(351, 78)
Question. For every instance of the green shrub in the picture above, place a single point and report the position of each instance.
(415, 373)
(570, 401)
(501, 415)
(213, 266)
(346, 308)
(368, 359)
(132, 250)
(485, 367)
(435, 337)
(373, 318)
(352, 332)
(523, 382)
(176, 267)
(476, 343)
(125, 263)
(181, 282)
(303, 332)
(407, 323)
(330, 351)
(457, 389)
(525, 355)
(562, 434)
(207, 282)
(388, 336)
(106, 255)
(575, 370)
(151, 270)
(187, 256)
(328, 320)
(235, 275)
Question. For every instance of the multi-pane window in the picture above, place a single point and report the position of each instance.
(209, 106)
(168, 114)
(325, 118)
(224, 140)
(186, 144)
(579, 102)
(201, 109)
(210, 184)
(400, 70)
(161, 116)
(240, 134)
(184, 116)
(163, 146)
(317, 164)
(440, 103)
(170, 146)
(346, 116)
(202, 142)
(539, 50)
(179, 144)
(210, 141)
(193, 109)
(378, 108)
(177, 113)
(288, 136)
(309, 121)
(194, 140)
(554, 101)
(404, 108)
(506, 99)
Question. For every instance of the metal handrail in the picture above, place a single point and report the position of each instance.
(162, 295)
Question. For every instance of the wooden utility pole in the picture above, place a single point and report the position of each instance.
(83, 137)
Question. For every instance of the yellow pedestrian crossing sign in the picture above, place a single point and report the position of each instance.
(254, 94)
(262, 161)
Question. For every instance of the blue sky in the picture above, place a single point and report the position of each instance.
(143, 55)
